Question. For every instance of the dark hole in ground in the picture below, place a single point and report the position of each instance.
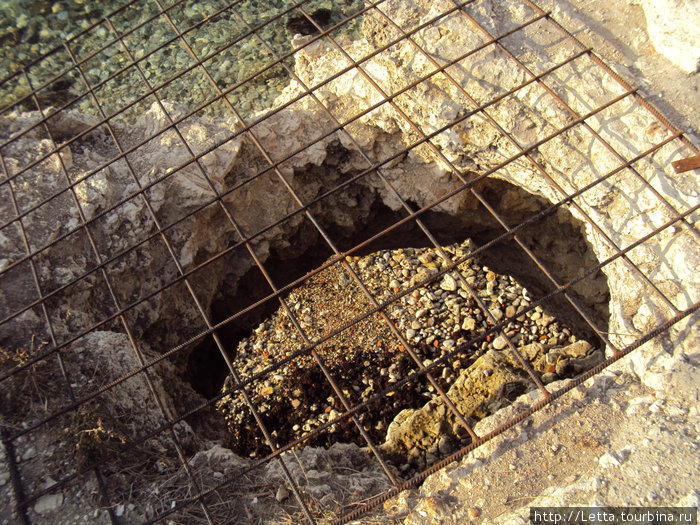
(207, 369)
(300, 24)
(555, 239)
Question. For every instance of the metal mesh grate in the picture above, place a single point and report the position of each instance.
(47, 212)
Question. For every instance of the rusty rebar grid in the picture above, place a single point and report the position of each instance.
(277, 293)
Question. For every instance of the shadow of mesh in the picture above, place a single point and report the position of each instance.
(269, 265)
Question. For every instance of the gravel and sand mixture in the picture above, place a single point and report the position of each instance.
(437, 319)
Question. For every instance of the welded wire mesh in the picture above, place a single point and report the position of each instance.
(146, 55)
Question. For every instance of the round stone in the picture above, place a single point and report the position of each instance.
(500, 342)
(496, 313)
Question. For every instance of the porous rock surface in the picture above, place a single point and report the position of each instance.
(621, 206)
(673, 26)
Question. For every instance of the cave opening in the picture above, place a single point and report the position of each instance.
(556, 240)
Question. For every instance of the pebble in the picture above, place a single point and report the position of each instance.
(548, 377)
(500, 342)
(609, 460)
(282, 494)
(496, 313)
(448, 283)
(469, 324)
(48, 503)
(444, 446)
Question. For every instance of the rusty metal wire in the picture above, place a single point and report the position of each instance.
(414, 215)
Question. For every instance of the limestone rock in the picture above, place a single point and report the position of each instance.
(489, 384)
(218, 459)
(48, 503)
(673, 27)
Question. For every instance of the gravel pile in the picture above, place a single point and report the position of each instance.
(436, 319)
